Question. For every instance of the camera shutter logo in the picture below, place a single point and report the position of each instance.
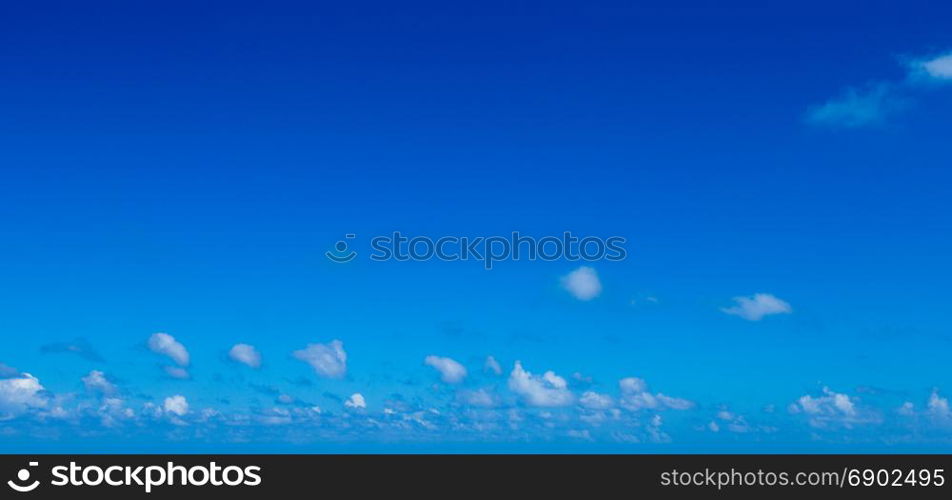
(23, 475)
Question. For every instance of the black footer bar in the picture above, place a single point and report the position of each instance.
(447, 476)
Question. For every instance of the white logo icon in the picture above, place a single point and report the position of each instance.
(24, 476)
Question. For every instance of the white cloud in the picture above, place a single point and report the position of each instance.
(166, 345)
(582, 283)
(831, 408)
(907, 409)
(546, 391)
(20, 394)
(328, 360)
(112, 412)
(492, 366)
(858, 108)
(936, 68)
(595, 401)
(245, 354)
(583, 434)
(175, 372)
(674, 403)
(635, 396)
(938, 407)
(176, 405)
(632, 385)
(356, 401)
(450, 370)
(755, 307)
(96, 382)
(480, 397)
(830, 403)
(735, 423)
(879, 100)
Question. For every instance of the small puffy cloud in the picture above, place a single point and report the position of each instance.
(96, 382)
(755, 307)
(830, 403)
(582, 283)
(356, 401)
(20, 394)
(547, 390)
(176, 372)
(285, 399)
(907, 409)
(938, 407)
(328, 360)
(735, 423)
(492, 366)
(450, 370)
(245, 354)
(176, 405)
(831, 408)
(166, 345)
(595, 401)
(635, 396)
(858, 107)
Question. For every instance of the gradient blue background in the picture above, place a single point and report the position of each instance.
(182, 167)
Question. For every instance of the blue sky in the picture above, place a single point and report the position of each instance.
(780, 174)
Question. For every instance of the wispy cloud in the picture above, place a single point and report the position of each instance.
(757, 306)
(7, 371)
(492, 366)
(936, 69)
(876, 102)
(730, 421)
(176, 372)
(859, 107)
(480, 397)
(79, 347)
(635, 396)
